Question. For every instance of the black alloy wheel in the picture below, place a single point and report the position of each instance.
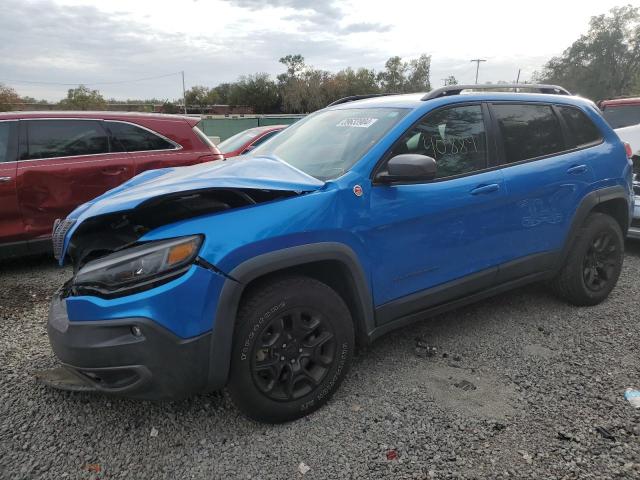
(593, 262)
(293, 354)
(600, 262)
(292, 347)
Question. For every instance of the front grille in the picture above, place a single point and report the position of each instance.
(60, 229)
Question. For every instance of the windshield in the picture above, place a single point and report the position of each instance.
(326, 144)
(622, 115)
(237, 141)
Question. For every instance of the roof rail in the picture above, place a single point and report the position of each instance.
(353, 98)
(457, 89)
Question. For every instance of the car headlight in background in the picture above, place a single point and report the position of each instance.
(140, 266)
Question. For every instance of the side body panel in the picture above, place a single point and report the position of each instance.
(427, 234)
(543, 197)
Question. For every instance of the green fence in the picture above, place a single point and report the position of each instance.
(225, 127)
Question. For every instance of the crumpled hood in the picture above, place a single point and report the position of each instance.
(262, 173)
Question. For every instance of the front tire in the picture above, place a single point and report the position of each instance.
(594, 263)
(293, 346)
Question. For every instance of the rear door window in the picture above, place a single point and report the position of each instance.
(528, 131)
(580, 128)
(132, 138)
(64, 138)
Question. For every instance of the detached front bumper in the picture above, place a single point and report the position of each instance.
(113, 357)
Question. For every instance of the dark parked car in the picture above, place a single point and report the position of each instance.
(263, 275)
(51, 162)
(247, 140)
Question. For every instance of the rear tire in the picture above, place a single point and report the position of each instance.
(594, 262)
(292, 347)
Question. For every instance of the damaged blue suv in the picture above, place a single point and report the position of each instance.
(263, 274)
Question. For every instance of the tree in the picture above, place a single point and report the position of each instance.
(350, 82)
(406, 77)
(83, 98)
(222, 91)
(31, 100)
(418, 79)
(392, 79)
(290, 84)
(169, 107)
(295, 65)
(605, 62)
(200, 97)
(258, 91)
(8, 98)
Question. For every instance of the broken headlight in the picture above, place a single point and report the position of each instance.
(138, 267)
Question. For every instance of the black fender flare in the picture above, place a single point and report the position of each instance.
(243, 274)
(587, 204)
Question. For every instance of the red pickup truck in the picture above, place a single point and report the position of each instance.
(621, 112)
(51, 162)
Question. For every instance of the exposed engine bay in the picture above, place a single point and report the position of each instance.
(104, 234)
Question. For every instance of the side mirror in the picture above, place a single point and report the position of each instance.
(408, 167)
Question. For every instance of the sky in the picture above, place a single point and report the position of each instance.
(115, 46)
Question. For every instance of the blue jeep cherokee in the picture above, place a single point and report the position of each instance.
(262, 274)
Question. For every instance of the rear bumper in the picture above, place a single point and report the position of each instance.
(634, 228)
(634, 233)
(109, 357)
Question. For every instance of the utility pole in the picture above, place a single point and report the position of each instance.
(518, 79)
(478, 60)
(184, 94)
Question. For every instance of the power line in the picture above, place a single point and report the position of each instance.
(31, 82)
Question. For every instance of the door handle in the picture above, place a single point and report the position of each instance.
(577, 169)
(482, 189)
(116, 171)
(5, 179)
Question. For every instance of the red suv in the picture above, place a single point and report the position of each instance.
(51, 162)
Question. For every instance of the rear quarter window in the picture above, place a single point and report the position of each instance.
(580, 128)
(132, 138)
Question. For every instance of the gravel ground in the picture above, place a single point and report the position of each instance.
(519, 386)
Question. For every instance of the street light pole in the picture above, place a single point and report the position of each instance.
(184, 94)
(478, 60)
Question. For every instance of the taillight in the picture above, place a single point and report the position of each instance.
(627, 148)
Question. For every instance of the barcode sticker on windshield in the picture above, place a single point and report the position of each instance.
(363, 122)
